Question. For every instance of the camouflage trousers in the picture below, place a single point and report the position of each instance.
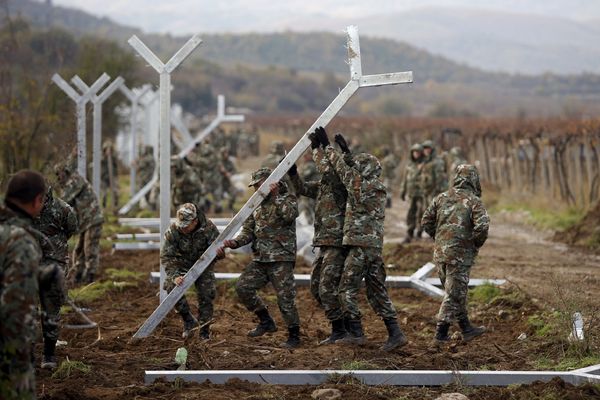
(455, 281)
(86, 256)
(105, 188)
(206, 292)
(52, 297)
(256, 275)
(414, 215)
(16, 384)
(325, 280)
(365, 263)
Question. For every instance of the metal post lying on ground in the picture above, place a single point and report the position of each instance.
(385, 377)
(134, 97)
(357, 80)
(164, 158)
(80, 102)
(218, 120)
(97, 101)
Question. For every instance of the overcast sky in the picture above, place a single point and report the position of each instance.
(187, 16)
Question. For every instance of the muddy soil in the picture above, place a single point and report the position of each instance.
(514, 251)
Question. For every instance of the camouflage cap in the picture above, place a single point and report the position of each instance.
(428, 143)
(277, 147)
(259, 175)
(416, 147)
(186, 214)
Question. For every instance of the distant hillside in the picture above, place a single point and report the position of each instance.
(441, 86)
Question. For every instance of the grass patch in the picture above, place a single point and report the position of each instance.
(124, 274)
(545, 325)
(568, 363)
(484, 294)
(67, 367)
(357, 365)
(96, 290)
(542, 213)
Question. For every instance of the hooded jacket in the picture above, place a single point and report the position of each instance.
(411, 185)
(365, 206)
(457, 220)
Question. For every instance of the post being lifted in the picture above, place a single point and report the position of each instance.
(134, 96)
(164, 154)
(357, 80)
(97, 101)
(80, 102)
(219, 119)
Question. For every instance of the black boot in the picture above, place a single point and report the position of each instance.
(293, 338)
(419, 234)
(355, 334)
(49, 359)
(469, 331)
(338, 331)
(205, 332)
(409, 236)
(441, 332)
(395, 336)
(189, 324)
(265, 325)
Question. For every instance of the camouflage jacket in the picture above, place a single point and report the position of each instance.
(20, 254)
(272, 228)
(186, 186)
(58, 221)
(78, 193)
(309, 172)
(434, 179)
(272, 160)
(365, 206)
(180, 251)
(104, 171)
(330, 207)
(146, 166)
(411, 186)
(457, 220)
(389, 165)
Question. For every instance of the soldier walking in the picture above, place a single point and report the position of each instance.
(363, 235)
(459, 223)
(272, 231)
(78, 193)
(330, 195)
(19, 259)
(58, 221)
(389, 165)
(185, 241)
(411, 187)
(109, 174)
(434, 179)
(146, 165)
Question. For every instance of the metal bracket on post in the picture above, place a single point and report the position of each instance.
(97, 101)
(219, 119)
(80, 102)
(134, 97)
(356, 81)
(164, 154)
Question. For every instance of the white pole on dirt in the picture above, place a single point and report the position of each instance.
(97, 101)
(80, 102)
(164, 154)
(219, 119)
(134, 96)
(357, 80)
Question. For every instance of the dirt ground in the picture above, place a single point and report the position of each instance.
(514, 251)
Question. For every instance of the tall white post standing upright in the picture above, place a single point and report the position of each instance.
(80, 102)
(164, 154)
(357, 80)
(97, 101)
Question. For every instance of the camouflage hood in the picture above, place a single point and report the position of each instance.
(416, 147)
(367, 164)
(467, 178)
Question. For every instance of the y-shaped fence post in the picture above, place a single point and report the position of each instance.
(164, 154)
(357, 80)
(80, 102)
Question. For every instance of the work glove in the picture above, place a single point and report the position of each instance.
(322, 136)
(339, 139)
(314, 140)
(293, 171)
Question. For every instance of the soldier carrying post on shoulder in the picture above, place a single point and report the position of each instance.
(272, 231)
(185, 241)
(20, 254)
(459, 223)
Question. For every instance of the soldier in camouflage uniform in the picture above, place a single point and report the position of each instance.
(78, 193)
(309, 173)
(272, 231)
(58, 221)
(208, 168)
(185, 241)
(455, 158)
(459, 223)
(330, 195)
(227, 169)
(185, 186)
(276, 153)
(363, 235)
(434, 179)
(146, 165)
(20, 254)
(109, 174)
(389, 165)
(411, 187)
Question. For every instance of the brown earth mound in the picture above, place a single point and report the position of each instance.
(584, 234)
